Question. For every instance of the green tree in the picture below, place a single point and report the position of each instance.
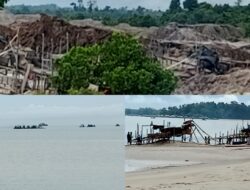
(119, 63)
(238, 2)
(175, 5)
(190, 4)
(2, 2)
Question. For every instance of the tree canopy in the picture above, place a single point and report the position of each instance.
(175, 5)
(190, 4)
(119, 63)
(212, 110)
(2, 2)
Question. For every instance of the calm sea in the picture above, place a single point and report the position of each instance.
(61, 157)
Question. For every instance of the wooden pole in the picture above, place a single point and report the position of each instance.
(67, 36)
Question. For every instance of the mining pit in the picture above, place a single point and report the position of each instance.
(30, 43)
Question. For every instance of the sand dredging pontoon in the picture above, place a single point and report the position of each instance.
(39, 126)
(190, 131)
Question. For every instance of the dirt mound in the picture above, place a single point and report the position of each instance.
(122, 27)
(55, 32)
(5, 36)
(6, 18)
(205, 32)
(220, 32)
(236, 82)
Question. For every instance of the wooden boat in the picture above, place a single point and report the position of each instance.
(91, 125)
(39, 126)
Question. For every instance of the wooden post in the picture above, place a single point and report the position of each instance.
(25, 78)
(67, 37)
(227, 137)
(60, 46)
(237, 134)
(174, 136)
(42, 51)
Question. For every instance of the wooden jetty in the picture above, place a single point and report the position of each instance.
(189, 131)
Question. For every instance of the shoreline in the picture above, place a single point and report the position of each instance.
(219, 167)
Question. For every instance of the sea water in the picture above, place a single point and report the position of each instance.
(61, 157)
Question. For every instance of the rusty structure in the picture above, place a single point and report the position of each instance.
(159, 133)
(189, 131)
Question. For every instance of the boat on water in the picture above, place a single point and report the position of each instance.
(117, 125)
(39, 126)
(89, 125)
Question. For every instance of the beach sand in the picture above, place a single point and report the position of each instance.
(207, 167)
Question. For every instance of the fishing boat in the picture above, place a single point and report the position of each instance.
(39, 126)
(117, 125)
(91, 125)
(82, 126)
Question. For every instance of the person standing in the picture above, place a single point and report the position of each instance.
(129, 138)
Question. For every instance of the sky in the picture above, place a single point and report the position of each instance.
(158, 102)
(151, 4)
(62, 109)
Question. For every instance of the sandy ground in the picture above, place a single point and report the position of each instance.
(214, 168)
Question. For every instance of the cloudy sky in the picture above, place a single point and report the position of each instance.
(153, 4)
(166, 101)
(62, 109)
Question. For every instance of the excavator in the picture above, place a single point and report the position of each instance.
(208, 59)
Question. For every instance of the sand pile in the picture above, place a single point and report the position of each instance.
(6, 18)
(220, 32)
(235, 82)
(122, 27)
(205, 32)
(5, 36)
(55, 32)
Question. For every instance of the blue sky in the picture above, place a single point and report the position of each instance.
(153, 4)
(166, 101)
(66, 109)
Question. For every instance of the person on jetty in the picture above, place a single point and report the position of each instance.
(220, 140)
(208, 140)
(139, 140)
(129, 138)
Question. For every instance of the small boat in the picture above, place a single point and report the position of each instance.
(117, 125)
(82, 126)
(39, 126)
(91, 125)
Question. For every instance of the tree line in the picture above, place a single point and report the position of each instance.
(188, 12)
(212, 110)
